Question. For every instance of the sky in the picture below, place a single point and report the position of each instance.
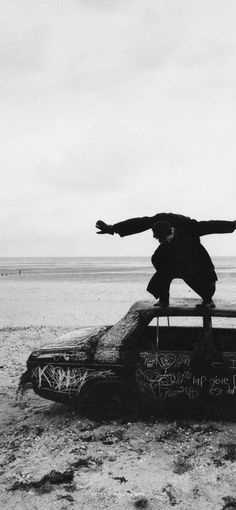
(113, 109)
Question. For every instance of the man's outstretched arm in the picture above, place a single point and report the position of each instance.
(215, 227)
(137, 225)
(126, 227)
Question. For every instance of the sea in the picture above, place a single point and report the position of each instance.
(75, 291)
(95, 268)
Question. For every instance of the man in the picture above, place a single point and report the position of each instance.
(180, 253)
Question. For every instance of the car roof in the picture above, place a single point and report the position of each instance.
(184, 308)
(141, 313)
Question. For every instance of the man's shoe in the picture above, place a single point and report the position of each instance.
(161, 303)
(206, 304)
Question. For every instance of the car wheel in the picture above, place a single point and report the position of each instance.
(107, 401)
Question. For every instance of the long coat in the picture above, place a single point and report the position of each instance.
(184, 256)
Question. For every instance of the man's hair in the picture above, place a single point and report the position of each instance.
(161, 229)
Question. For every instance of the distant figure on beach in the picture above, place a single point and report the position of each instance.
(20, 272)
(180, 253)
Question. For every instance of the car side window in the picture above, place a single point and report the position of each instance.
(147, 341)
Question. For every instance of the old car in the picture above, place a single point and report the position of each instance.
(139, 365)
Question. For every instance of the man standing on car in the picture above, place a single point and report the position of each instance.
(180, 253)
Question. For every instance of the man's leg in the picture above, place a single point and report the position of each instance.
(159, 287)
(204, 286)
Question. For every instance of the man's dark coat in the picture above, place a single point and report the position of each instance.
(184, 256)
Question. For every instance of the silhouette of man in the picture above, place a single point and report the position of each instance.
(180, 253)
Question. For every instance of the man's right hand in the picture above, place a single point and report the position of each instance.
(104, 228)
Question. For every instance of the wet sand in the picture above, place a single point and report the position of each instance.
(154, 464)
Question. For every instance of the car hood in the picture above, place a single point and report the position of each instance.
(96, 344)
(77, 345)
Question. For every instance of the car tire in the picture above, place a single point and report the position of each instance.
(108, 401)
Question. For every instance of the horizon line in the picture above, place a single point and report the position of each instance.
(88, 256)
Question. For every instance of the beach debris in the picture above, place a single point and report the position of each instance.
(39, 431)
(14, 444)
(46, 488)
(196, 492)
(88, 437)
(210, 429)
(176, 431)
(182, 465)
(169, 489)
(200, 428)
(230, 503)
(24, 384)
(23, 429)
(107, 438)
(112, 436)
(167, 435)
(86, 462)
(121, 479)
(218, 462)
(112, 458)
(43, 484)
(140, 501)
(11, 458)
(229, 454)
(85, 427)
(80, 463)
(230, 451)
(68, 497)
(71, 487)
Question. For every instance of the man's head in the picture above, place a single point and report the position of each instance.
(163, 231)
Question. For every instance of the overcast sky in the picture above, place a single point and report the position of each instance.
(113, 109)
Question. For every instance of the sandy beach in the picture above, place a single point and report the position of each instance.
(117, 119)
(53, 458)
